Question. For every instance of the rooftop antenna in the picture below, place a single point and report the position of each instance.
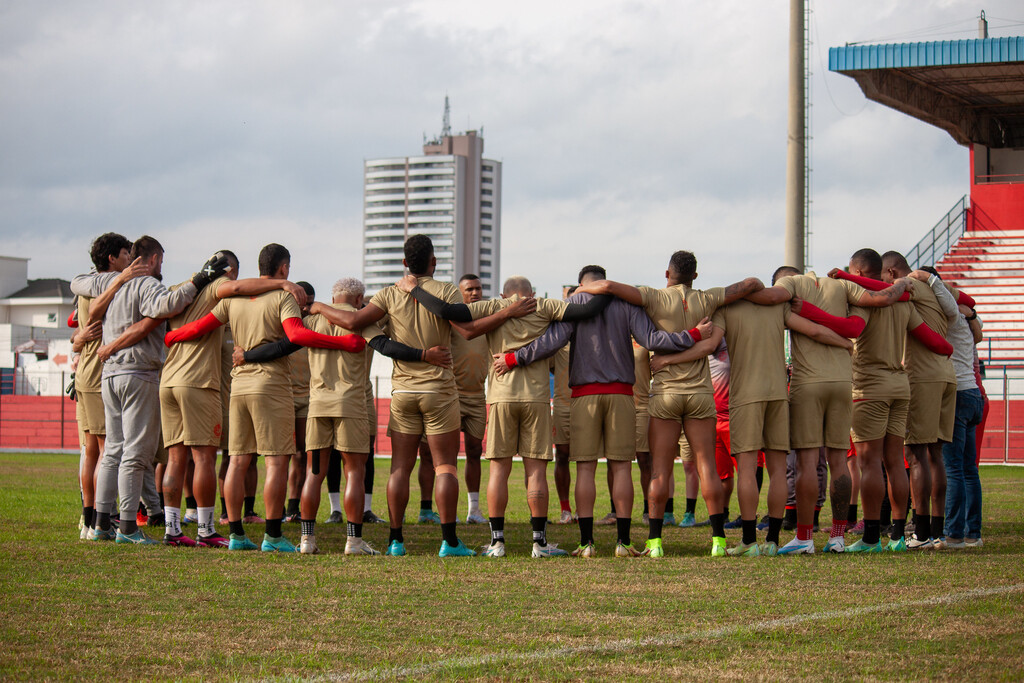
(446, 124)
(982, 26)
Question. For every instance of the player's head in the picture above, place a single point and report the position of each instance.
(310, 292)
(570, 290)
(894, 265)
(517, 284)
(866, 262)
(783, 271)
(110, 251)
(591, 273)
(419, 255)
(931, 269)
(682, 268)
(232, 272)
(471, 287)
(275, 261)
(149, 250)
(348, 290)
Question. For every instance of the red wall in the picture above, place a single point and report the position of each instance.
(995, 206)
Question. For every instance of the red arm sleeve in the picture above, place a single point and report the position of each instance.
(300, 334)
(849, 327)
(73, 319)
(932, 340)
(965, 300)
(869, 284)
(198, 328)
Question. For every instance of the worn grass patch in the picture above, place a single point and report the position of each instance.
(84, 610)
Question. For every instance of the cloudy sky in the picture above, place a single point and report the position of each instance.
(627, 129)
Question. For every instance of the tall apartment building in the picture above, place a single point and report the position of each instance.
(451, 194)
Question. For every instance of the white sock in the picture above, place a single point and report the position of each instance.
(173, 521)
(206, 527)
(335, 497)
(474, 501)
(367, 502)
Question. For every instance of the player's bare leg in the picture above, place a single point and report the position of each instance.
(870, 454)
(585, 494)
(317, 463)
(643, 462)
(622, 496)
(701, 436)
(474, 450)
(899, 486)
(497, 503)
(747, 496)
(404, 449)
(178, 457)
(663, 438)
(425, 476)
(563, 480)
(87, 477)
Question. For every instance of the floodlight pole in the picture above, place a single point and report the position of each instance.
(795, 143)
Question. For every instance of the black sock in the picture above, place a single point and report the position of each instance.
(938, 522)
(613, 507)
(250, 502)
(350, 529)
(540, 534)
(448, 533)
(774, 527)
(142, 508)
(236, 528)
(223, 507)
(293, 506)
(274, 527)
(817, 515)
(670, 505)
(851, 515)
(691, 505)
(103, 521)
(725, 516)
(161, 494)
(190, 503)
(89, 515)
(425, 505)
(622, 527)
(647, 507)
(790, 515)
(396, 535)
(129, 526)
(358, 529)
(308, 526)
(898, 529)
(749, 531)
(718, 524)
(586, 530)
(655, 525)
(923, 527)
(759, 478)
(872, 531)
(497, 529)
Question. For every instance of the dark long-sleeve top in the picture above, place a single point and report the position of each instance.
(602, 351)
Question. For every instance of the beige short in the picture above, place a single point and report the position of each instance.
(161, 453)
(346, 434)
(190, 416)
(263, 424)
(685, 452)
(763, 425)
(431, 413)
(642, 422)
(473, 411)
(931, 414)
(820, 414)
(225, 419)
(874, 418)
(607, 418)
(522, 429)
(301, 407)
(682, 406)
(560, 424)
(90, 403)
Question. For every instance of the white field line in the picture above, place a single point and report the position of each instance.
(667, 640)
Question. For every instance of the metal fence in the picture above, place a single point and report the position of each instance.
(940, 239)
(1004, 428)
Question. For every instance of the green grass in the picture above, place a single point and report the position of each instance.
(72, 609)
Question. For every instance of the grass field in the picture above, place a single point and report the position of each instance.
(73, 609)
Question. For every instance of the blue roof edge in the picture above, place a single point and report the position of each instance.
(935, 53)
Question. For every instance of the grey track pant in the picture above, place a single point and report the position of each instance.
(132, 406)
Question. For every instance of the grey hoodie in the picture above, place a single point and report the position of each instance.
(141, 297)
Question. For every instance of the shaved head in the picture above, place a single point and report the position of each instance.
(517, 284)
(867, 262)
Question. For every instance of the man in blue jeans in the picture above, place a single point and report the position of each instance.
(962, 528)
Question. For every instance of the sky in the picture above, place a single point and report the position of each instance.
(627, 130)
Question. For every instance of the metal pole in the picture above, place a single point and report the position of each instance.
(1006, 417)
(795, 141)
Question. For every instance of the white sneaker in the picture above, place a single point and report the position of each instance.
(607, 520)
(939, 543)
(566, 518)
(973, 543)
(917, 544)
(495, 549)
(475, 517)
(798, 547)
(83, 533)
(307, 545)
(357, 546)
(549, 550)
(835, 544)
(955, 543)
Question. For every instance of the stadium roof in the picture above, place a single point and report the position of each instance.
(972, 89)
